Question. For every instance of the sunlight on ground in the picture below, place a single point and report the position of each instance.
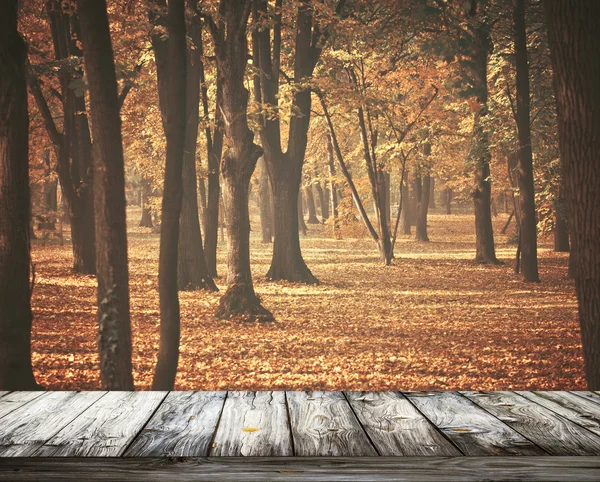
(434, 320)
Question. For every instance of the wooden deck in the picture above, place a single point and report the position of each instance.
(358, 436)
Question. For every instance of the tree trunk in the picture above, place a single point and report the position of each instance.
(264, 199)
(407, 207)
(238, 163)
(432, 193)
(301, 224)
(146, 220)
(423, 209)
(172, 89)
(15, 291)
(192, 273)
(575, 51)
(528, 228)
(332, 187)
(323, 202)
(310, 204)
(114, 338)
(448, 201)
(561, 226)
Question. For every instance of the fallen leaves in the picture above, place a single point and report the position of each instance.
(434, 320)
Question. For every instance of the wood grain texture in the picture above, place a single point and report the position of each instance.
(555, 434)
(331, 469)
(3, 393)
(253, 424)
(323, 424)
(13, 400)
(106, 428)
(593, 396)
(183, 425)
(473, 430)
(396, 427)
(24, 431)
(574, 408)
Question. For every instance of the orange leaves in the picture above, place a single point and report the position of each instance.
(434, 320)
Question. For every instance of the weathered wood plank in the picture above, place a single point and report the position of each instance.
(555, 434)
(106, 428)
(13, 400)
(24, 431)
(253, 424)
(323, 424)
(3, 393)
(471, 428)
(333, 469)
(594, 397)
(396, 427)
(574, 408)
(183, 425)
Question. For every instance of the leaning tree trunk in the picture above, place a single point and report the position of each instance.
(239, 162)
(192, 272)
(114, 337)
(423, 209)
(173, 93)
(575, 51)
(15, 291)
(528, 225)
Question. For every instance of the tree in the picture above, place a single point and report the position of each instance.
(239, 160)
(575, 51)
(192, 272)
(15, 287)
(285, 168)
(528, 222)
(109, 199)
(172, 94)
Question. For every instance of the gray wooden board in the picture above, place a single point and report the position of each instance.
(555, 434)
(106, 428)
(396, 427)
(253, 424)
(331, 469)
(14, 400)
(574, 408)
(3, 393)
(24, 430)
(323, 424)
(472, 429)
(183, 425)
(594, 397)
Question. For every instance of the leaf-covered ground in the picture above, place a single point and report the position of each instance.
(435, 320)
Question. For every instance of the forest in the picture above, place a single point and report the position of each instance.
(299, 194)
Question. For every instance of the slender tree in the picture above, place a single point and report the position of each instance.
(239, 160)
(109, 199)
(15, 289)
(172, 89)
(528, 222)
(575, 50)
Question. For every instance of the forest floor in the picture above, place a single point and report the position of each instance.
(433, 321)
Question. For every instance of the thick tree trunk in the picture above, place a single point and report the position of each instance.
(264, 199)
(528, 228)
(423, 209)
(575, 50)
(172, 89)
(15, 291)
(192, 272)
(239, 162)
(310, 204)
(114, 337)
(561, 226)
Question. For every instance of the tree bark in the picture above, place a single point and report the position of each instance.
(264, 199)
(561, 225)
(310, 204)
(528, 227)
(301, 224)
(172, 97)
(114, 337)
(480, 145)
(407, 207)
(448, 200)
(423, 209)
(192, 273)
(575, 51)
(332, 185)
(432, 193)
(146, 220)
(323, 201)
(239, 162)
(15, 289)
